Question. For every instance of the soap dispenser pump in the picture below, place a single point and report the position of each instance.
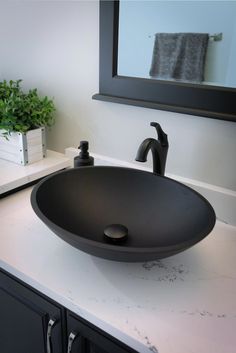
(83, 159)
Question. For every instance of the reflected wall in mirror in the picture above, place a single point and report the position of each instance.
(177, 29)
(216, 100)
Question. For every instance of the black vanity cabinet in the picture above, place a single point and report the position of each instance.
(28, 322)
(33, 323)
(85, 338)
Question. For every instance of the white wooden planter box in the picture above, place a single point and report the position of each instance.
(23, 148)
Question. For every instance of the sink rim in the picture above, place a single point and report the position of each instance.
(117, 248)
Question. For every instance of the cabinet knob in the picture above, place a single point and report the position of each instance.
(51, 323)
(71, 338)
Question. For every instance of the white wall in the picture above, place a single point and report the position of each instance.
(55, 46)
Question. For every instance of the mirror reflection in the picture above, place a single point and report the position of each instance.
(186, 41)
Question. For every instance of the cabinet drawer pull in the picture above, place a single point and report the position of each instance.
(72, 337)
(51, 323)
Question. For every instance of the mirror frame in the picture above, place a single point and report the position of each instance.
(195, 99)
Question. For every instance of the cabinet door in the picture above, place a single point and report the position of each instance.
(86, 338)
(28, 322)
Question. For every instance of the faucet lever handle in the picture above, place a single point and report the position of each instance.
(161, 135)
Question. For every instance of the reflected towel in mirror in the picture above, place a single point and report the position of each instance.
(179, 56)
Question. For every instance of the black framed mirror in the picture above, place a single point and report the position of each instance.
(196, 99)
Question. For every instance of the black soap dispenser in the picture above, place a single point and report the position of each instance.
(83, 159)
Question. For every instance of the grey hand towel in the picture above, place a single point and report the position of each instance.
(179, 56)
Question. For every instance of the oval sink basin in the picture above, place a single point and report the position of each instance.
(122, 214)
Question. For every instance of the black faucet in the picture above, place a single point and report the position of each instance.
(159, 150)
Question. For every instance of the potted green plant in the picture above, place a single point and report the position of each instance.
(23, 119)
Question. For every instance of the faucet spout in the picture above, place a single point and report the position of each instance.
(159, 149)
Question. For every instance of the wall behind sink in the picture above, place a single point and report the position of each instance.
(54, 45)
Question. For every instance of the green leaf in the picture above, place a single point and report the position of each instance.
(21, 110)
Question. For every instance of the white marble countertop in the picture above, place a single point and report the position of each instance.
(182, 304)
(13, 175)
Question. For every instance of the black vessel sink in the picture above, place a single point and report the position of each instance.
(122, 214)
